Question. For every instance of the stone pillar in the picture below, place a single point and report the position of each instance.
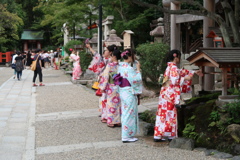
(175, 28)
(208, 42)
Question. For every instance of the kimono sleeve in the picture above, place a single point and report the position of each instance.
(104, 78)
(136, 82)
(185, 85)
(74, 57)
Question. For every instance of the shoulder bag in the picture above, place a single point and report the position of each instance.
(34, 64)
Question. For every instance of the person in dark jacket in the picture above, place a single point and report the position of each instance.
(19, 65)
(38, 70)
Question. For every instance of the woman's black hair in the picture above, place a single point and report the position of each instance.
(172, 54)
(18, 53)
(112, 48)
(126, 53)
(117, 53)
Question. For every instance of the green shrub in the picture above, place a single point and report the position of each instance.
(152, 60)
(71, 44)
(85, 59)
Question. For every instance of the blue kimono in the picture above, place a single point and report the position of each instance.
(128, 96)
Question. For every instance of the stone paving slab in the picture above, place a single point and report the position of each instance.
(65, 98)
(132, 151)
(74, 131)
(15, 105)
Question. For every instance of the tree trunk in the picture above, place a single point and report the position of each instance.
(237, 11)
(225, 34)
(233, 23)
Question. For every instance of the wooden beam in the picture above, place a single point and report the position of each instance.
(188, 18)
(209, 64)
(224, 81)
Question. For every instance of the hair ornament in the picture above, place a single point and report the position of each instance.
(124, 53)
(174, 54)
(71, 49)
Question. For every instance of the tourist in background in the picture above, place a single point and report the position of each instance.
(28, 59)
(19, 65)
(128, 79)
(174, 81)
(13, 64)
(113, 105)
(77, 71)
(38, 70)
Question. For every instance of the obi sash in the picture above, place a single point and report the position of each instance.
(119, 80)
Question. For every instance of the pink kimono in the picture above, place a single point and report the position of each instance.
(77, 71)
(112, 110)
(166, 118)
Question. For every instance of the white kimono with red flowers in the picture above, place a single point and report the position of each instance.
(97, 65)
(166, 118)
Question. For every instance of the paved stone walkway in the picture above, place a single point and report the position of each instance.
(60, 122)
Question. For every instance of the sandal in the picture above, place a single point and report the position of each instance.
(104, 121)
(111, 125)
(117, 125)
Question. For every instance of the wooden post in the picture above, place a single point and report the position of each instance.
(224, 81)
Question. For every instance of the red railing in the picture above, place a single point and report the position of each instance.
(6, 57)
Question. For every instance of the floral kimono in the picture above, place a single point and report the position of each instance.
(77, 71)
(166, 118)
(112, 110)
(128, 96)
(97, 65)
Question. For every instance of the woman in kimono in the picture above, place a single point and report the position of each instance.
(113, 105)
(175, 81)
(98, 65)
(128, 79)
(77, 71)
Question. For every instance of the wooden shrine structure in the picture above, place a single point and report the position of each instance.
(224, 58)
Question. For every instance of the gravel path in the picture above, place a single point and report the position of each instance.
(67, 127)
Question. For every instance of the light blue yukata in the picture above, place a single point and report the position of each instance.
(128, 96)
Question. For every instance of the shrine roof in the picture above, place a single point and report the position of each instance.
(32, 35)
(216, 57)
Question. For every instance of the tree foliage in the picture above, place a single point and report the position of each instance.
(231, 16)
(9, 25)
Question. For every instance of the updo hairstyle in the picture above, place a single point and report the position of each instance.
(172, 54)
(117, 53)
(127, 53)
(112, 48)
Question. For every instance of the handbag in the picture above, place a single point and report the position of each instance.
(13, 66)
(98, 92)
(34, 64)
(95, 85)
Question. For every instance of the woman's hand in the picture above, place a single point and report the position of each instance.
(199, 73)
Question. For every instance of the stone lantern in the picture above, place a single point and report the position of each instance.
(158, 32)
(113, 39)
(94, 41)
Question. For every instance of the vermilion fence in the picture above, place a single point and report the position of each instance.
(6, 57)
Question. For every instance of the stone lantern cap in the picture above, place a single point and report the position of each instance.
(166, 3)
(94, 39)
(113, 39)
(127, 31)
(157, 32)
